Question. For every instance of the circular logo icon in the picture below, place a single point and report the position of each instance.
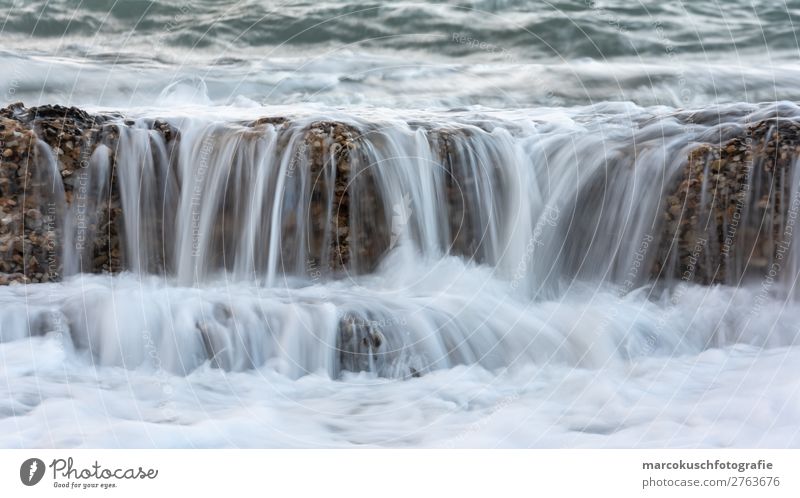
(31, 471)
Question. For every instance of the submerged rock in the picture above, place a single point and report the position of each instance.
(371, 344)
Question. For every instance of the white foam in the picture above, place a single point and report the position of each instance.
(741, 397)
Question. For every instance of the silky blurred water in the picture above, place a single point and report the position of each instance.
(100, 361)
(398, 54)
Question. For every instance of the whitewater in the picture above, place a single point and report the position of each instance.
(400, 225)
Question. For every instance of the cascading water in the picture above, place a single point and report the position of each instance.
(453, 223)
(386, 246)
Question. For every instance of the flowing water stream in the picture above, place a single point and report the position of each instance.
(464, 251)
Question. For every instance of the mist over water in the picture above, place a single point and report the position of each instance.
(519, 155)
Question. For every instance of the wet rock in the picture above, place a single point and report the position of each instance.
(374, 343)
(359, 344)
(726, 213)
(329, 153)
(70, 135)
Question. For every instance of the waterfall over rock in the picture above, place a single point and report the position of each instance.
(355, 242)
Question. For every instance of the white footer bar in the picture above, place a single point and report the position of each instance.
(400, 473)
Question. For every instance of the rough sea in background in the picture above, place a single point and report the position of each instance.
(505, 54)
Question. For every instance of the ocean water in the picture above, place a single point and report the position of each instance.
(398, 54)
(548, 333)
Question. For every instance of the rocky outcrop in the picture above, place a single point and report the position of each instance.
(45, 153)
(329, 148)
(37, 141)
(17, 148)
(730, 212)
(375, 344)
